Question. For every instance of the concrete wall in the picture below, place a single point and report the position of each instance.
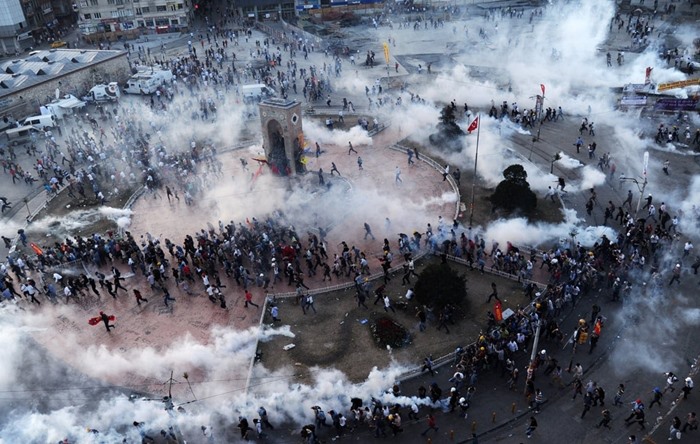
(27, 101)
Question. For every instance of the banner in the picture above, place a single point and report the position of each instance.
(633, 101)
(542, 88)
(676, 104)
(680, 84)
(36, 248)
(637, 88)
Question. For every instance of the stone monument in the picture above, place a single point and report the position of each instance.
(283, 139)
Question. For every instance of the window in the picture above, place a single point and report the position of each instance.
(97, 15)
(94, 2)
(120, 2)
(138, 11)
(160, 8)
(180, 6)
(146, 9)
(110, 2)
(174, 22)
(87, 16)
(172, 7)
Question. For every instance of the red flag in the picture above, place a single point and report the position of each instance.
(97, 319)
(542, 88)
(473, 125)
(498, 311)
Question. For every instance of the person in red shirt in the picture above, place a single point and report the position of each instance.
(139, 297)
(432, 424)
(249, 299)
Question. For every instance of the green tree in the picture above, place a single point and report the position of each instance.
(514, 191)
(439, 285)
(448, 121)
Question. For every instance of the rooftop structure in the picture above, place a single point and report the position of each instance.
(31, 80)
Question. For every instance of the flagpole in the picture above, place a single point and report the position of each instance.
(476, 159)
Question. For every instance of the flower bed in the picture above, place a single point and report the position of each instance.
(386, 331)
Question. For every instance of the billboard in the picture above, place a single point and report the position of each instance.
(679, 84)
(676, 104)
(633, 101)
(304, 5)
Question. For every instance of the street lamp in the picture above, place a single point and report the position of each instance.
(534, 139)
(556, 157)
(640, 186)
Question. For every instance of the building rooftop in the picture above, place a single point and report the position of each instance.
(43, 65)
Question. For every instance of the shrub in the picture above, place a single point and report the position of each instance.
(514, 191)
(439, 285)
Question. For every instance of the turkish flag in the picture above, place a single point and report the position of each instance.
(97, 319)
(474, 125)
(542, 88)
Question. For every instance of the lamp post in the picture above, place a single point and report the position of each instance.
(641, 186)
(554, 159)
(534, 139)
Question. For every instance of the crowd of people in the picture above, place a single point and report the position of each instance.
(269, 252)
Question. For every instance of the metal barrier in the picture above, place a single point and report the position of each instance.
(136, 194)
(17, 208)
(345, 285)
(378, 129)
(500, 273)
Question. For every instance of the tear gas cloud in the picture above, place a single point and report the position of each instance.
(111, 411)
(651, 323)
(524, 62)
(314, 131)
(519, 231)
(78, 220)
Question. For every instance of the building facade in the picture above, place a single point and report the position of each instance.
(261, 10)
(123, 16)
(27, 23)
(38, 13)
(15, 31)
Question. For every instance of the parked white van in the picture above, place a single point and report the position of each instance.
(41, 122)
(256, 93)
(22, 135)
